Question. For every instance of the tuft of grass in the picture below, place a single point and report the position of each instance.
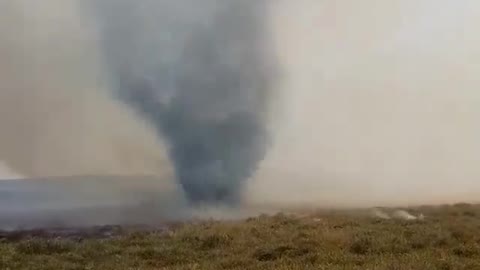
(44, 247)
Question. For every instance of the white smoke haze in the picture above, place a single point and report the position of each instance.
(383, 104)
(377, 103)
(7, 173)
(57, 117)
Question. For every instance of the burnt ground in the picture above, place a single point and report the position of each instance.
(81, 233)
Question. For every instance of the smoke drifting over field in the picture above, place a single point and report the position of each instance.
(377, 100)
(196, 75)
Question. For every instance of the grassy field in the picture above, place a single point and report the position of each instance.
(448, 238)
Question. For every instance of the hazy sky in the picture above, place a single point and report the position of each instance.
(383, 102)
(379, 102)
(57, 114)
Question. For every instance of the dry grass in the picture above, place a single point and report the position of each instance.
(449, 238)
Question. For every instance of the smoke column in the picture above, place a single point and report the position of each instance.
(200, 71)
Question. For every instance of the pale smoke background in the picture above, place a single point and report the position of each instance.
(379, 105)
(7, 173)
(57, 117)
(383, 104)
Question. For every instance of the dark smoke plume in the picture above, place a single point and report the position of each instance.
(200, 72)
